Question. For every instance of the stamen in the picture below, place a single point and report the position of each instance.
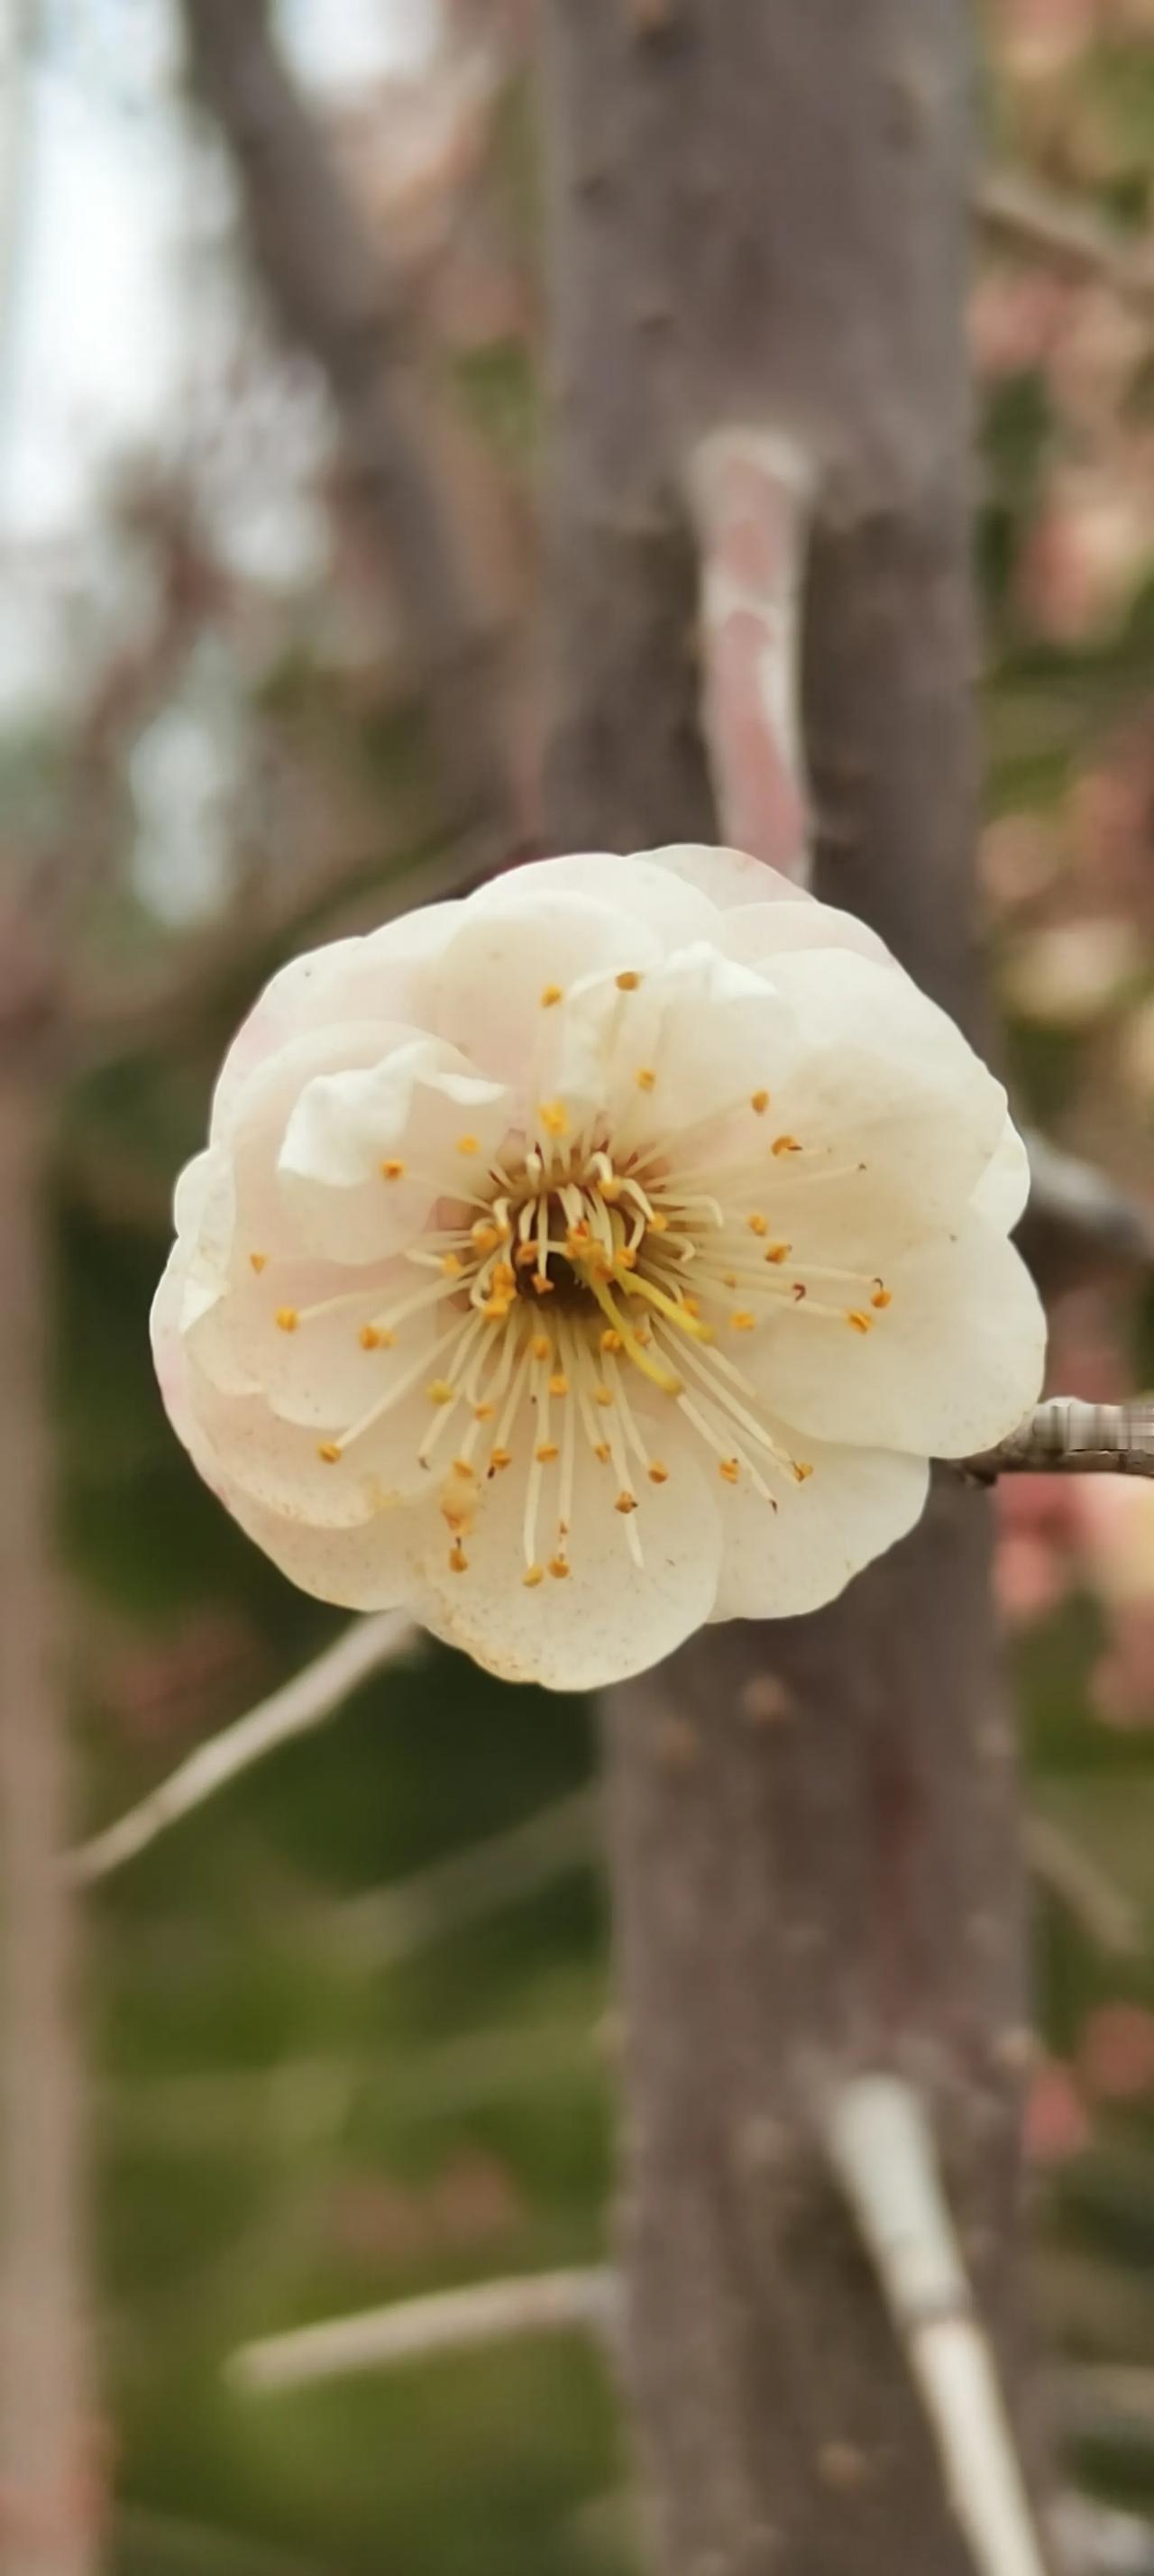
(258, 1261)
(287, 1319)
(550, 996)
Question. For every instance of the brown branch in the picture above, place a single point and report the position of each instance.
(331, 298)
(1064, 1437)
(48, 2492)
(1033, 218)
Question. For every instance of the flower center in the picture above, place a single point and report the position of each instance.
(589, 1291)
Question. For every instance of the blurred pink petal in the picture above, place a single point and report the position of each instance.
(1056, 2125)
(1116, 2052)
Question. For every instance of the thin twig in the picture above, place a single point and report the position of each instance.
(1103, 1912)
(880, 2145)
(1065, 1437)
(448, 2321)
(1038, 219)
(392, 1922)
(303, 1702)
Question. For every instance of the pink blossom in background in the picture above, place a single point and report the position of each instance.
(1056, 2125)
(1116, 2052)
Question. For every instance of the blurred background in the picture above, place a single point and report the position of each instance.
(341, 2040)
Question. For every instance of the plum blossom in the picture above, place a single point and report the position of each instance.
(603, 1254)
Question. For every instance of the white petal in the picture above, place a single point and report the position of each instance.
(381, 977)
(1004, 1187)
(948, 1368)
(608, 1618)
(509, 951)
(318, 1371)
(170, 1360)
(856, 1504)
(366, 1568)
(697, 1039)
(757, 933)
(204, 1214)
(730, 878)
(422, 1107)
(651, 896)
(881, 1076)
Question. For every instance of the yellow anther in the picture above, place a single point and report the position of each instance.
(329, 1450)
(452, 1265)
(728, 1467)
(525, 1256)
(501, 1458)
(287, 1319)
(646, 1077)
(882, 1295)
(692, 1306)
(458, 1561)
(541, 1346)
(658, 1473)
(483, 1412)
(860, 1322)
(785, 1145)
(779, 1252)
(658, 1224)
(802, 1469)
(542, 1283)
(440, 1391)
(533, 1575)
(545, 1452)
(611, 1339)
(495, 1309)
(759, 1103)
(757, 1223)
(393, 1169)
(626, 1258)
(626, 1502)
(743, 1321)
(504, 1275)
(558, 1568)
(257, 1261)
(550, 995)
(611, 1190)
(373, 1337)
(461, 1467)
(629, 981)
(553, 1117)
(602, 1395)
(559, 1383)
(468, 1144)
(484, 1235)
(602, 1452)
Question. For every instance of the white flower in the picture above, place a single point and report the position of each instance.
(602, 1255)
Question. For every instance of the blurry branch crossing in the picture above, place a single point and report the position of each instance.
(412, 2329)
(880, 2146)
(327, 288)
(303, 1702)
(1016, 209)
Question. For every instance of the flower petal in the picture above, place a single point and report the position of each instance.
(855, 1504)
(730, 878)
(507, 953)
(366, 1568)
(640, 888)
(950, 1366)
(608, 1618)
(380, 977)
(1004, 1187)
(367, 1153)
(757, 933)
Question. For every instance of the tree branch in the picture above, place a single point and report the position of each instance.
(1057, 1864)
(331, 297)
(750, 491)
(1064, 1437)
(394, 1921)
(411, 2329)
(879, 2143)
(1039, 219)
(303, 1702)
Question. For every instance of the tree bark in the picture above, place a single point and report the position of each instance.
(758, 216)
(50, 2472)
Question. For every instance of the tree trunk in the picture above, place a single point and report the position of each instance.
(758, 216)
(50, 2470)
